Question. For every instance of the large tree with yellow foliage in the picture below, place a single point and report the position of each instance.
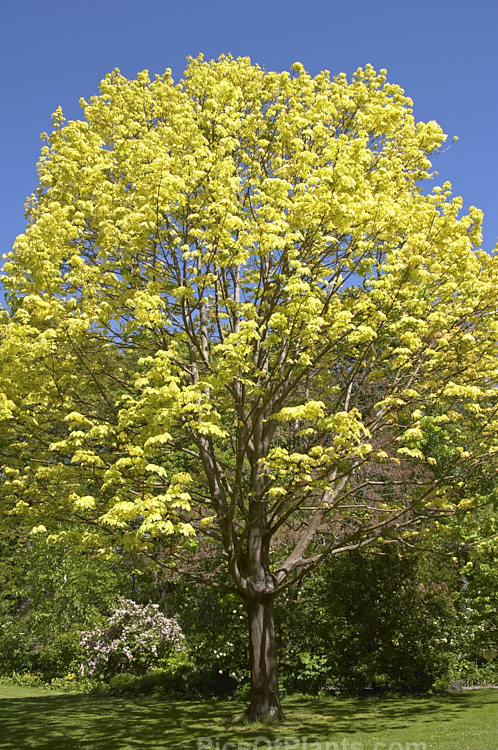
(236, 312)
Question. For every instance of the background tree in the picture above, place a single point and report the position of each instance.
(236, 314)
(382, 619)
(47, 596)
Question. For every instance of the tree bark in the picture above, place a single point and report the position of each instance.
(265, 697)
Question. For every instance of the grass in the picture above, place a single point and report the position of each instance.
(35, 718)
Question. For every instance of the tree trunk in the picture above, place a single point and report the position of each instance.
(265, 698)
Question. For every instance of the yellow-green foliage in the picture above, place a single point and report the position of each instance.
(234, 289)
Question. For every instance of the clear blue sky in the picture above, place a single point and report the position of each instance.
(442, 52)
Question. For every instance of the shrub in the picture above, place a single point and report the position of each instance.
(380, 621)
(135, 638)
(49, 593)
(215, 627)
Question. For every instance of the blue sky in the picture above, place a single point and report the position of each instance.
(442, 52)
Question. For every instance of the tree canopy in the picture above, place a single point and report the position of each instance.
(237, 313)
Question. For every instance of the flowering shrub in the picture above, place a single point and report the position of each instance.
(135, 638)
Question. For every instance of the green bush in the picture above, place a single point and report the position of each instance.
(125, 682)
(472, 674)
(48, 594)
(215, 628)
(380, 622)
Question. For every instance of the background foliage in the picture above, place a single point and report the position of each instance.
(376, 621)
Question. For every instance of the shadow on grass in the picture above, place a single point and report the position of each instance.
(374, 715)
(76, 722)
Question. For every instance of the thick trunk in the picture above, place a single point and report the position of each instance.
(265, 698)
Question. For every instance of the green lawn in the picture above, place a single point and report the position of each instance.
(33, 718)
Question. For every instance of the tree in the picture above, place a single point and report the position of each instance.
(236, 314)
(47, 597)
